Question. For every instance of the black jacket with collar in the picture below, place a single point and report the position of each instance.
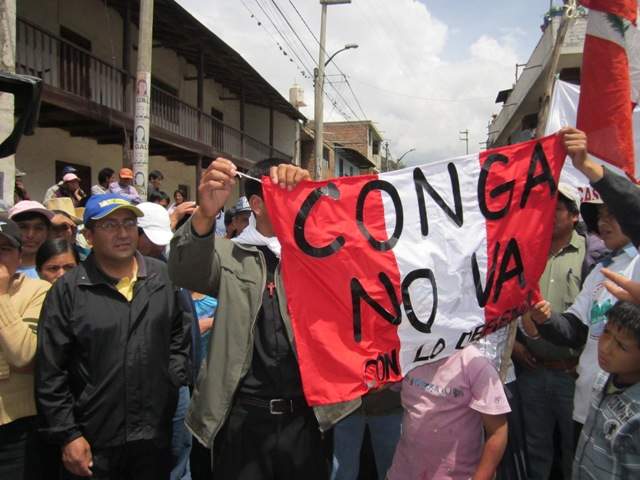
(106, 368)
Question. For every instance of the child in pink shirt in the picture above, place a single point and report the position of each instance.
(447, 404)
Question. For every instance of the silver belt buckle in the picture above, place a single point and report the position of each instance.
(272, 403)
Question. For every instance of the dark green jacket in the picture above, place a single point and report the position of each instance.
(235, 275)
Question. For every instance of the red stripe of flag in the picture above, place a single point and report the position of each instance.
(523, 219)
(605, 111)
(623, 8)
(320, 306)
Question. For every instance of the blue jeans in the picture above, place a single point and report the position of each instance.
(347, 442)
(181, 439)
(547, 400)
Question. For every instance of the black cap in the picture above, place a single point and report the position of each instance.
(10, 230)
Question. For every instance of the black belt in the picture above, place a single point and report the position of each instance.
(275, 406)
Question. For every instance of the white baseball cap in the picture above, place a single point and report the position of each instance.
(155, 223)
(570, 192)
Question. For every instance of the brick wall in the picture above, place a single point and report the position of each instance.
(352, 136)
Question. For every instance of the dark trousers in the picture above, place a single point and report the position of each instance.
(514, 463)
(255, 445)
(141, 460)
(20, 450)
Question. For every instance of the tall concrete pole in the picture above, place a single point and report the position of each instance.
(143, 99)
(7, 64)
(318, 101)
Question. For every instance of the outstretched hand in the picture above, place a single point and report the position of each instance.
(622, 287)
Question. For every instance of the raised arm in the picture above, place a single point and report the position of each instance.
(193, 263)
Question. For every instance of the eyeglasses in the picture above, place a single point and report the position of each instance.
(113, 225)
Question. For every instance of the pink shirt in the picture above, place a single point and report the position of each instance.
(442, 433)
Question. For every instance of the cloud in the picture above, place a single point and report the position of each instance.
(400, 71)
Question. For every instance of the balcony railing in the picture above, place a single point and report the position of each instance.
(74, 70)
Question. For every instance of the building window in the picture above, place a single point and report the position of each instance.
(376, 148)
(82, 171)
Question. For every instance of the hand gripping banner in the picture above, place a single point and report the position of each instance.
(386, 272)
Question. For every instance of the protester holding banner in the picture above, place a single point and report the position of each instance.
(546, 377)
(620, 194)
(583, 323)
(248, 406)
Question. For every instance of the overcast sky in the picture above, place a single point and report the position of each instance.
(424, 70)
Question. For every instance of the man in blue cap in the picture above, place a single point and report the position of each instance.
(113, 349)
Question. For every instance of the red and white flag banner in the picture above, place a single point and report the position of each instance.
(386, 272)
(610, 81)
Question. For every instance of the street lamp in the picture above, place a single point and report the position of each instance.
(319, 82)
(346, 47)
(405, 153)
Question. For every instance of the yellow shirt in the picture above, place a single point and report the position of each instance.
(126, 284)
(19, 313)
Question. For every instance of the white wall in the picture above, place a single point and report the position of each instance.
(37, 156)
(285, 133)
(256, 122)
(104, 28)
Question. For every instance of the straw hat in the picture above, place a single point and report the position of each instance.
(64, 205)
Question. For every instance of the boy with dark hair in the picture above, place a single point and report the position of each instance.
(106, 176)
(155, 180)
(610, 440)
(159, 197)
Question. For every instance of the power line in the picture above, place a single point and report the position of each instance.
(282, 14)
(286, 40)
(306, 71)
(301, 69)
(295, 52)
(334, 63)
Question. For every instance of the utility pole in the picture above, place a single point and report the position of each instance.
(143, 99)
(465, 138)
(386, 157)
(549, 81)
(319, 87)
(7, 121)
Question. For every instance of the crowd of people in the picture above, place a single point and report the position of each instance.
(152, 340)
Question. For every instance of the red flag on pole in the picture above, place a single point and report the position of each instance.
(610, 81)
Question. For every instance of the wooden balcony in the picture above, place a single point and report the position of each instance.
(89, 97)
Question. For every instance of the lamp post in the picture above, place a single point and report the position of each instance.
(405, 153)
(319, 82)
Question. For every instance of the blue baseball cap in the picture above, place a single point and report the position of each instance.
(99, 206)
